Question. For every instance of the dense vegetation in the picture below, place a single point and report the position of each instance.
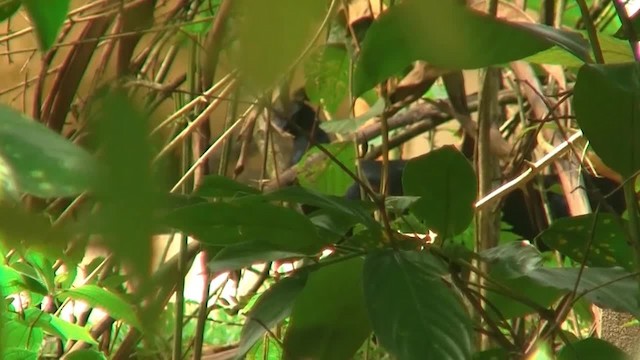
(508, 242)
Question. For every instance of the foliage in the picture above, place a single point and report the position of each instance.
(334, 278)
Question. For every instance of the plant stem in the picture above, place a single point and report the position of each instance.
(591, 31)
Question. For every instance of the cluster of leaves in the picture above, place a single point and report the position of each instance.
(414, 297)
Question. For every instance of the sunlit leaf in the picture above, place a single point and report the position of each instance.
(96, 296)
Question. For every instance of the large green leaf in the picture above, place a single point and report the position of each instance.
(242, 255)
(446, 184)
(329, 318)
(611, 288)
(47, 19)
(412, 311)
(571, 237)
(447, 34)
(43, 163)
(614, 51)
(16, 353)
(96, 296)
(355, 210)
(591, 349)
(272, 35)
(223, 223)
(327, 76)
(128, 187)
(221, 186)
(607, 105)
(16, 333)
(271, 308)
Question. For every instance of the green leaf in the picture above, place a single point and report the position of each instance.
(241, 255)
(8, 8)
(223, 223)
(326, 176)
(216, 186)
(85, 354)
(271, 36)
(591, 348)
(53, 324)
(412, 311)
(327, 76)
(44, 163)
(348, 126)
(98, 297)
(16, 333)
(571, 237)
(446, 184)
(334, 327)
(13, 281)
(611, 288)
(127, 187)
(606, 99)
(525, 287)
(14, 353)
(358, 211)
(47, 19)
(451, 36)
(271, 308)
(614, 50)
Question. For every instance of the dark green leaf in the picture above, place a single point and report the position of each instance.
(513, 259)
(327, 76)
(357, 210)
(412, 311)
(591, 349)
(606, 99)
(96, 296)
(215, 186)
(446, 184)
(239, 256)
(230, 223)
(326, 176)
(609, 288)
(47, 19)
(451, 37)
(271, 308)
(493, 354)
(348, 126)
(329, 318)
(524, 287)
(8, 8)
(608, 246)
(55, 166)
